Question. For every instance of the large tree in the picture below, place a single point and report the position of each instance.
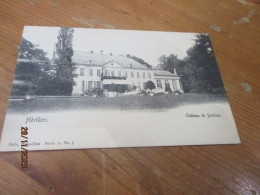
(199, 70)
(30, 51)
(64, 65)
(206, 73)
(31, 68)
(169, 63)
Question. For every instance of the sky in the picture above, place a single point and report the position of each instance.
(148, 45)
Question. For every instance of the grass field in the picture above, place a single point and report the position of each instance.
(165, 101)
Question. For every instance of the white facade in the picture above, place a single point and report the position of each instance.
(92, 75)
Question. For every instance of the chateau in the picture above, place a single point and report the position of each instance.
(100, 70)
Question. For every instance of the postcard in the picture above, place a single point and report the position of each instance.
(77, 88)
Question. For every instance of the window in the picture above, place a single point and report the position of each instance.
(112, 73)
(119, 73)
(132, 74)
(108, 73)
(143, 74)
(138, 75)
(126, 74)
(144, 86)
(139, 85)
(74, 71)
(149, 75)
(98, 72)
(175, 85)
(159, 84)
(90, 85)
(91, 72)
(82, 71)
(167, 86)
(98, 84)
(83, 86)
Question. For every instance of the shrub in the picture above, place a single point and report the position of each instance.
(150, 85)
(95, 92)
(176, 92)
(143, 93)
(134, 88)
(98, 92)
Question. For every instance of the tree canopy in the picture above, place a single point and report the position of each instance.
(206, 73)
(30, 51)
(199, 69)
(35, 74)
(31, 68)
(150, 85)
(64, 49)
(64, 65)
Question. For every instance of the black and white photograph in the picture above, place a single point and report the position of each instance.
(99, 88)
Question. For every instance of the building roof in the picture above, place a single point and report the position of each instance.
(102, 58)
(163, 73)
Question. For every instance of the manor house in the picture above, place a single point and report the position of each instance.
(100, 70)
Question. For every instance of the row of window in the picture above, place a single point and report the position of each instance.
(138, 85)
(82, 72)
(90, 85)
(174, 83)
(112, 73)
(97, 84)
(132, 75)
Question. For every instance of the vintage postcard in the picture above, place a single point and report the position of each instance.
(77, 88)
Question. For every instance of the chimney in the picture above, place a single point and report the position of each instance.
(101, 52)
(91, 51)
(111, 54)
(174, 71)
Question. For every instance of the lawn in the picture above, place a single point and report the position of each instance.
(131, 102)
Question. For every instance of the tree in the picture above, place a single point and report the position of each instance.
(169, 63)
(206, 73)
(188, 75)
(150, 85)
(64, 65)
(30, 51)
(31, 68)
(199, 71)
